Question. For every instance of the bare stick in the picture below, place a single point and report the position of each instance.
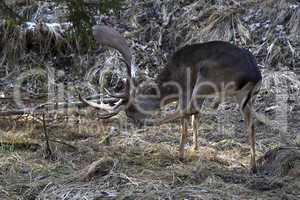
(48, 151)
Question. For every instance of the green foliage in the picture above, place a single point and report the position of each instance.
(81, 19)
(107, 7)
(81, 15)
(10, 24)
(9, 14)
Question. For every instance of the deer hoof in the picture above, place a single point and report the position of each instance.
(253, 169)
(194, 147)
(181, 156)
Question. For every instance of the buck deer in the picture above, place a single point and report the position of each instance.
(195, 71)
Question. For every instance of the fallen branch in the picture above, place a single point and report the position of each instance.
(48, 151)
(53, 106)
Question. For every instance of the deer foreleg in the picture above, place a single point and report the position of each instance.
(195, 125)
(184, 133)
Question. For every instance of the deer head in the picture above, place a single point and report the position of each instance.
(139, 103)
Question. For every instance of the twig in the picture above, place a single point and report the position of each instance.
(48, 151)
(53, 106)
(129, 179)
(64, 143)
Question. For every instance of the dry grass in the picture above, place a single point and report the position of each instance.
(141, 163)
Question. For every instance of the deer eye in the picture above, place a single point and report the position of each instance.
(153, 91)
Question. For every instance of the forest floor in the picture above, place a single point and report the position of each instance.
(109, 160)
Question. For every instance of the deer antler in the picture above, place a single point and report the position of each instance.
(105, 35)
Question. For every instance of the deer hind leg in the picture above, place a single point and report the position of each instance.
(195, 125)
(246, 110)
